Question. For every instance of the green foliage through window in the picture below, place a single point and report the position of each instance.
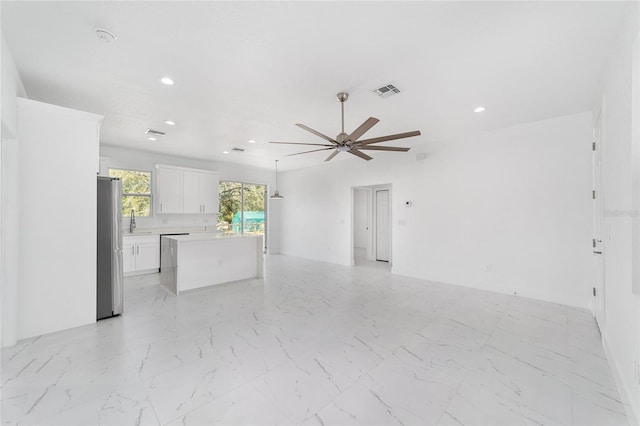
(136, 191)
(233, 217)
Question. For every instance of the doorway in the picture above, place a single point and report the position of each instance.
(382, 226)
(371, 226)
(362, 218)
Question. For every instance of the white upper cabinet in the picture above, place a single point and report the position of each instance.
(209, 189)
(181, 190)
(169, 190)
(192, 201)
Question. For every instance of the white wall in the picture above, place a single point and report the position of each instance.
(10, 87)
(117, 157)
(58, 156)
(274, 225)
(360, 217)
(507, 211)
(622, 309)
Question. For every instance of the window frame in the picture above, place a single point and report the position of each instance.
(142, 194)
(242, 222)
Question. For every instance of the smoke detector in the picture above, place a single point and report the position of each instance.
(106, 36)
(386, 90)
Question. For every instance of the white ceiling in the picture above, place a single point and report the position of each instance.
(251, 70)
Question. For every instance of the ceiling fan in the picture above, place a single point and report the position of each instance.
(351, 143)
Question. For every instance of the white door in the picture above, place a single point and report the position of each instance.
(598, 228)
(383, 240)
(360, 216)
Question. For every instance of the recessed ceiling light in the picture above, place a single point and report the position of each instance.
(170, 123)
(252, 141)
(151, 138)
(167, 81)
(225, 152)
(479, 108)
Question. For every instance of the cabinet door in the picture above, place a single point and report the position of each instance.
(192, 199)
(170, 190)
(209, 188)
(128, 258)
(147, 256)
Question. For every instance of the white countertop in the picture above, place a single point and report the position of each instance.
(208, 236)
(182, 230)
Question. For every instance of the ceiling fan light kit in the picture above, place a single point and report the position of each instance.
(351, 143)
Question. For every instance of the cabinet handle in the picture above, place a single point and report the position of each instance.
(138, 250)
(133, 250)
(160, 207)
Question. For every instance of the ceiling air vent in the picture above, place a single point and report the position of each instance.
(154, 132)
(236, 149)
(386, 90)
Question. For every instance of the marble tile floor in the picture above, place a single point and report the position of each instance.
(317, 344)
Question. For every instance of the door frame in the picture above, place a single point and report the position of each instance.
(598, 233)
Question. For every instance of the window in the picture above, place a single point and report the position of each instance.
(242, 208)
(136, 191)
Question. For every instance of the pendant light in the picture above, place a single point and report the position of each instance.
(276, 195)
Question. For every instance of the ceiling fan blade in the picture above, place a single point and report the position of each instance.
(313, 150)
(384, 148)
(364, 127)
(309, 129)
(303, 143)
(333, 154)
(390, 137)
(359, 154)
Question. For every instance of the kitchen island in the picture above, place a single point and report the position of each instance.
(200, 260)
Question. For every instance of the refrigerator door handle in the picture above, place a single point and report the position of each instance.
(117, 284)
(117, 289)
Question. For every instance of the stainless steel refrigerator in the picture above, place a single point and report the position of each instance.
(109, 272)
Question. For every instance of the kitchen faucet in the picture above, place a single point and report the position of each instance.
(132, 223)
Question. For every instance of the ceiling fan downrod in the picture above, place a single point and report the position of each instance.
(342, 97)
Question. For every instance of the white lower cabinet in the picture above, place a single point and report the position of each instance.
(140, 253)
(128, 257)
